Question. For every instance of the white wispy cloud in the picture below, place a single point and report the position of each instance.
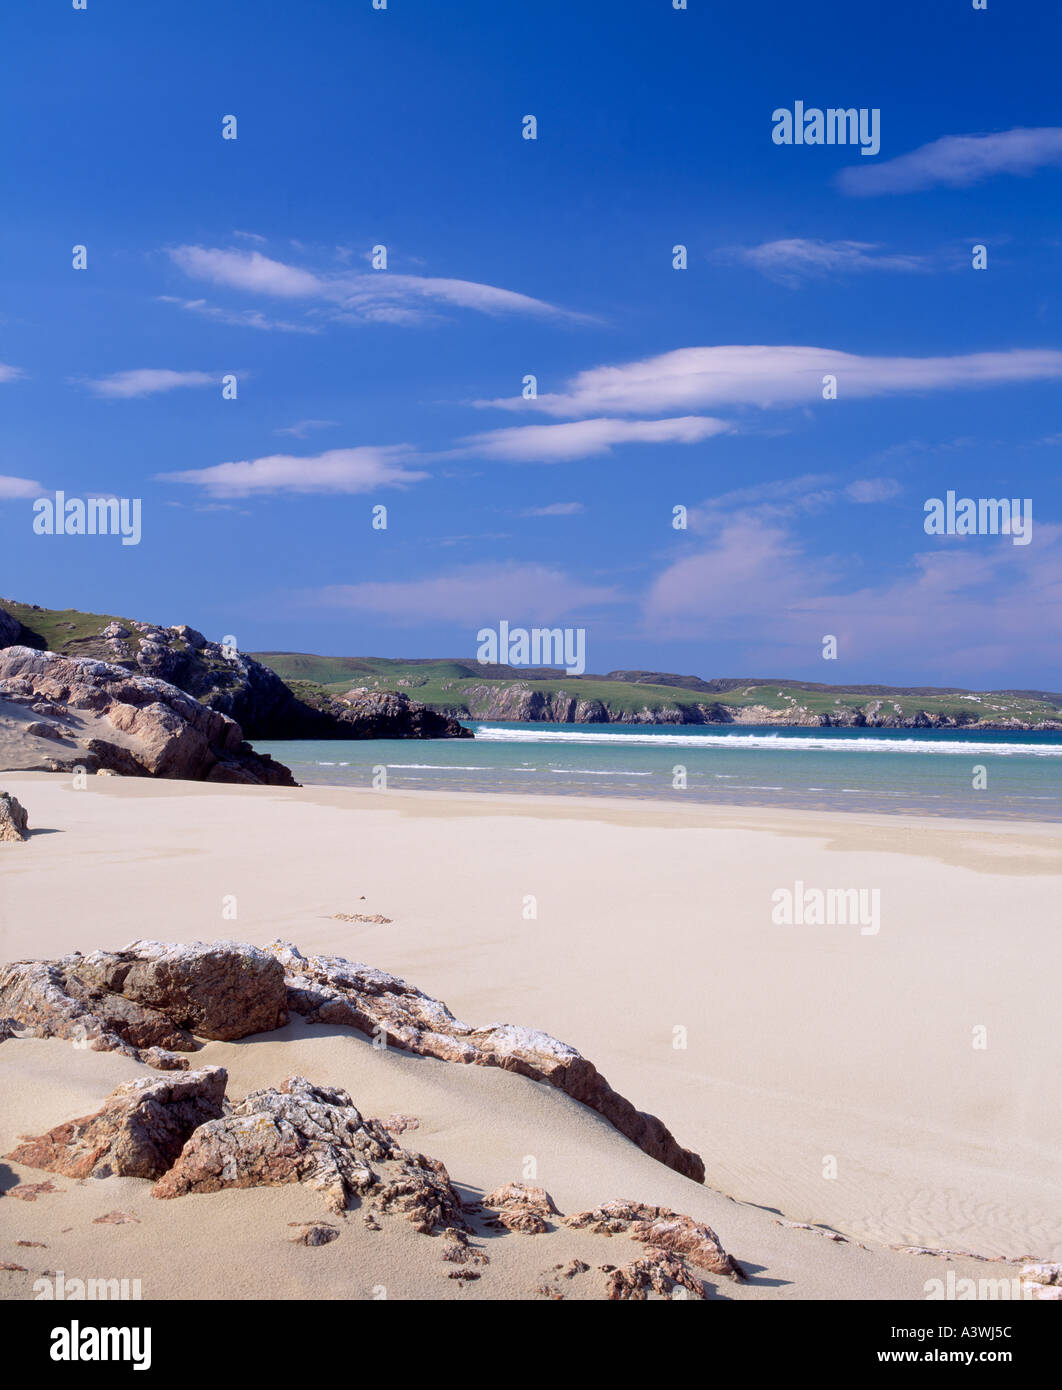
(586, 438)
(246, 270)
(381, 296)
(956, 161)
(865, 490)
(698, 377)
(336, 471)
(556, 509)
(786, 499)
(474, 594)
(147, 381)
(11, 488)
(303, 427)
(239, 318)
(10, 373)
(794, 259)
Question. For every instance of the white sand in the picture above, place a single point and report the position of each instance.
(801, 1042)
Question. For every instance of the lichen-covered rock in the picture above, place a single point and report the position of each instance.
(520, 1206)
(148, 999)
(220, 990)
(160, 731)
(329, 989)
(14, 822)
(47, 999)
(314, 1135)
(657, 1271)
(140, 1131)
(661, 1228)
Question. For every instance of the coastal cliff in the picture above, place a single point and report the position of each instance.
(520, 702)
(222, 679)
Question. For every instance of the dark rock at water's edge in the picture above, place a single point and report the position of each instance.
(221, 678)
(102, 717)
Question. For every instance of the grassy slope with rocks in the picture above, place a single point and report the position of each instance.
(468, 690)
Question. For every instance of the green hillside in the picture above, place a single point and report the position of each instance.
(472, 691)
(466, 689)
(66, 630)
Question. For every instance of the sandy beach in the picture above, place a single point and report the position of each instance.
(897, 1085)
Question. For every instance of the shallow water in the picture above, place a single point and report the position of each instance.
(899, 770)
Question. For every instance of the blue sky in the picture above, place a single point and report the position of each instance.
(553, 257)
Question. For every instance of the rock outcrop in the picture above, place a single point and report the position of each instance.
(657, 1271)
(329, 989)
(221, 678)
(147, 1000)
(518, 701)
(151, 999)
(131, 724)
(221, 990)
(314, 1135)
(387, 714)
(14, 822)
(661, 1228)
(520, 1206)
(46, 999)
(139, 1133)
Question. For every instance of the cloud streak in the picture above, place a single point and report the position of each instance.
(12, 488)
(239, 318)
(379, 296)
(795, 259)
(334, 471)
(957, 161)
(556, 509)
(700, 377)
(586, 438)
(147, 381)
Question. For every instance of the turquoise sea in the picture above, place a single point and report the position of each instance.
(900, 770)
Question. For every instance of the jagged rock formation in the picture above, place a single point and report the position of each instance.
(264, 706)
(131, 724)
(151, 999)
(14, 822)
(387, 714)
(314, 1135)
(185, 1136)
(148, 1000)
(663, 1229)
(657, 1272)
(222, 679)
(519, 1206)
(222, 990)
(46, 999)
(139, 1133)
(329, 989)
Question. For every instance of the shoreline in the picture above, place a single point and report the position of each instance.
(802, 1042)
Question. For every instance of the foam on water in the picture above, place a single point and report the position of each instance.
(775, 742)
